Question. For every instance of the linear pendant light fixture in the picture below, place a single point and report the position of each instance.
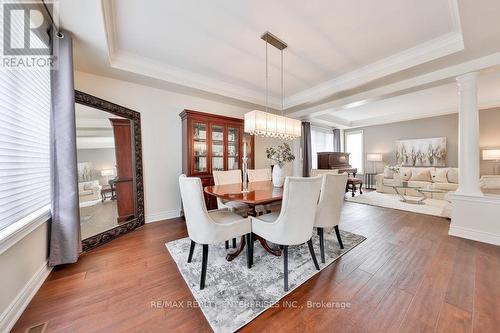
(267, 124)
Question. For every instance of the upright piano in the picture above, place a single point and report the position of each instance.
(336, 160)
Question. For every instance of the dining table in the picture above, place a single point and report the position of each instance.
(257, 193)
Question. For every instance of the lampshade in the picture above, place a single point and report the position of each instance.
(107, 172)
(271, 125)
(491, 154)
(374, 157)
(268, 124)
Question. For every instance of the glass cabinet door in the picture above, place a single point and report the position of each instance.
(200, 147)
(217, 147)
(233, 148)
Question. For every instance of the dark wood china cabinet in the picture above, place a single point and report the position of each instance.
(212, 142)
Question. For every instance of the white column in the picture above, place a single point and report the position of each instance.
(468, 135)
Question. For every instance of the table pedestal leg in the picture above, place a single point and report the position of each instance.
(232, 255)
(262, 241)
(266, 247)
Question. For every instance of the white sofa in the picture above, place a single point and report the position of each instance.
(430, 177)
(490, 184)
(89, 191)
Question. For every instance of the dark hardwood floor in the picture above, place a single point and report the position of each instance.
(408, 276)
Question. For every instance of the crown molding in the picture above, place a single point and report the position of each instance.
(407, 117)
(400, 87)
(455, 15)
(144, 66)
(100, 142)
(382, 120)
(427, 51)
(332, 119)
(336, 123)
(107, 11)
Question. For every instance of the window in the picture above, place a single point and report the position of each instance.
(24, 143)
(321, 140)
(354, 146)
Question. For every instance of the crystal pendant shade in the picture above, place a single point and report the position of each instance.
(271, 125)
(267, 124)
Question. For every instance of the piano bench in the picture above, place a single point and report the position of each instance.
(352, 183)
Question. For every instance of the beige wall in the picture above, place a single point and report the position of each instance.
(489, 136)
(382, 138)
(100, 158)
(261, 161)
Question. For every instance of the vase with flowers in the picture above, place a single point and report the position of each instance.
(280, 155)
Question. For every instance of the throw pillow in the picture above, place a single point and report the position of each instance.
(439, 175)
(421, 175)
(405, 173)
(388, 173)
(453, 175)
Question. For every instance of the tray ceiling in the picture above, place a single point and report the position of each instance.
(216, 46)
(348, 62)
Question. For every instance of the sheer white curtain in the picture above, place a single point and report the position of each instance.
(354, 146)
(321, 140)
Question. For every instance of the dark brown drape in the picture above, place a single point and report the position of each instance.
(306, 149)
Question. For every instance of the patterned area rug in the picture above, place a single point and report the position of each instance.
(433, 207)
(234, 294)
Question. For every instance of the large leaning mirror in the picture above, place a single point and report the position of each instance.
(110, 188)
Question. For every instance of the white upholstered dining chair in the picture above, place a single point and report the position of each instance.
(294, 224)
(331, 200)
(240, 208)
(230, 177)
(261, 175)
(209, 227)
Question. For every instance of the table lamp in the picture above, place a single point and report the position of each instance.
(107, 173)
(374, 158)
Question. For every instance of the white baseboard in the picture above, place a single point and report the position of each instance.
(16, 308)
(480, 236)
(162, 216)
